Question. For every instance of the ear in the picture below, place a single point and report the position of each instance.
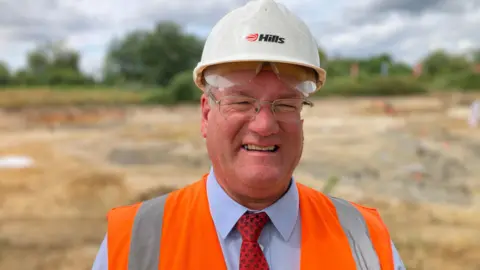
(205, 108)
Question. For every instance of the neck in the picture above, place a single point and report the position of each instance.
(257, 203)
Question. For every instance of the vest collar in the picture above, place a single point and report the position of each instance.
(226, 212)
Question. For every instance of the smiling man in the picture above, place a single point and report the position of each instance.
(259, 65)
(253, 128)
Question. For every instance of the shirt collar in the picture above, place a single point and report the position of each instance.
(226, 212)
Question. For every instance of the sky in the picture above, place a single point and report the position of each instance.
(407, 29)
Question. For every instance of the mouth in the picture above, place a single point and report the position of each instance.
(257, 148)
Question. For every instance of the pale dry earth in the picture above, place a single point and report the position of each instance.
(420, 167)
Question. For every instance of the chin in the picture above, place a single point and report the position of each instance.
(261, 176)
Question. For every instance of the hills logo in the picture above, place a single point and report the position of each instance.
(265, 38)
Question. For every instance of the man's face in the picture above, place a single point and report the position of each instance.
(250, 173)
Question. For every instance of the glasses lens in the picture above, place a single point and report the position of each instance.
(289, 110)
(237, 106)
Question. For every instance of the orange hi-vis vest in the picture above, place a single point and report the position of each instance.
(176, 232)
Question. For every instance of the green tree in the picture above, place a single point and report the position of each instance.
(152, 57)
(338, 67)
(323, 58)
(475, 55)
(53, 63)
(24, 77)
(440, 62)
(369, 66)
(5, 77)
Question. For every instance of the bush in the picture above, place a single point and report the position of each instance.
(394, 86)
(372, 86)
(339, 86)
(159, 96)
(181, 89)
(467, 81)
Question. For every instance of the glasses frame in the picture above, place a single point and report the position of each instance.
(259, 103)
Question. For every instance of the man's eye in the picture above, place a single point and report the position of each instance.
(287, 105)
(244, 102)
(285, 108)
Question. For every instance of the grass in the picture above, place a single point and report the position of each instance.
(28, 97)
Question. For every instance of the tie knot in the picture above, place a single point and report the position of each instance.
(250, 225)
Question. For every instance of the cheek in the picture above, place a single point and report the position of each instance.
(293, 138)
(293, 131)
(220, 129)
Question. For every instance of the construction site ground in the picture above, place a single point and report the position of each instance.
(62, 169)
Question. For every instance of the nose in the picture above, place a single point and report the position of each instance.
(264, 122)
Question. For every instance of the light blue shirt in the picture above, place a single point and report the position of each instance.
(279, 240)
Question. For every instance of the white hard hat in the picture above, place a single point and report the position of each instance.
(264, 31)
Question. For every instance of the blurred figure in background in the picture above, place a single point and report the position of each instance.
(474, 116)
(259, 65)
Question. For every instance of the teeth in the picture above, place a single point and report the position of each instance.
(258, 148)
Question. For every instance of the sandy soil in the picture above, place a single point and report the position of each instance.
(418, 165)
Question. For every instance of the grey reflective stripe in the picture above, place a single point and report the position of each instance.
(356, 229)
(146, 235)
(147, 232)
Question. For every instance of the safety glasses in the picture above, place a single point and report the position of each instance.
(227, 75)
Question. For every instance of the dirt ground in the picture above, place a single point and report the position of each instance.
(415, 159)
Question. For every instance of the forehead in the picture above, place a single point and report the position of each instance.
(264, 85)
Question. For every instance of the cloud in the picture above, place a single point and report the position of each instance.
(408, 29)
(42, 20)
(415, 7)
(89, 25)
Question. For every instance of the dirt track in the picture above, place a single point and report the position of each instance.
(420, 167)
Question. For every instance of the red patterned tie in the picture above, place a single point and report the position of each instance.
(250, 226)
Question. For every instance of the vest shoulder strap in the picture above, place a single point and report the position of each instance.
(356, 229)
(379, 235)
(146, 235)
